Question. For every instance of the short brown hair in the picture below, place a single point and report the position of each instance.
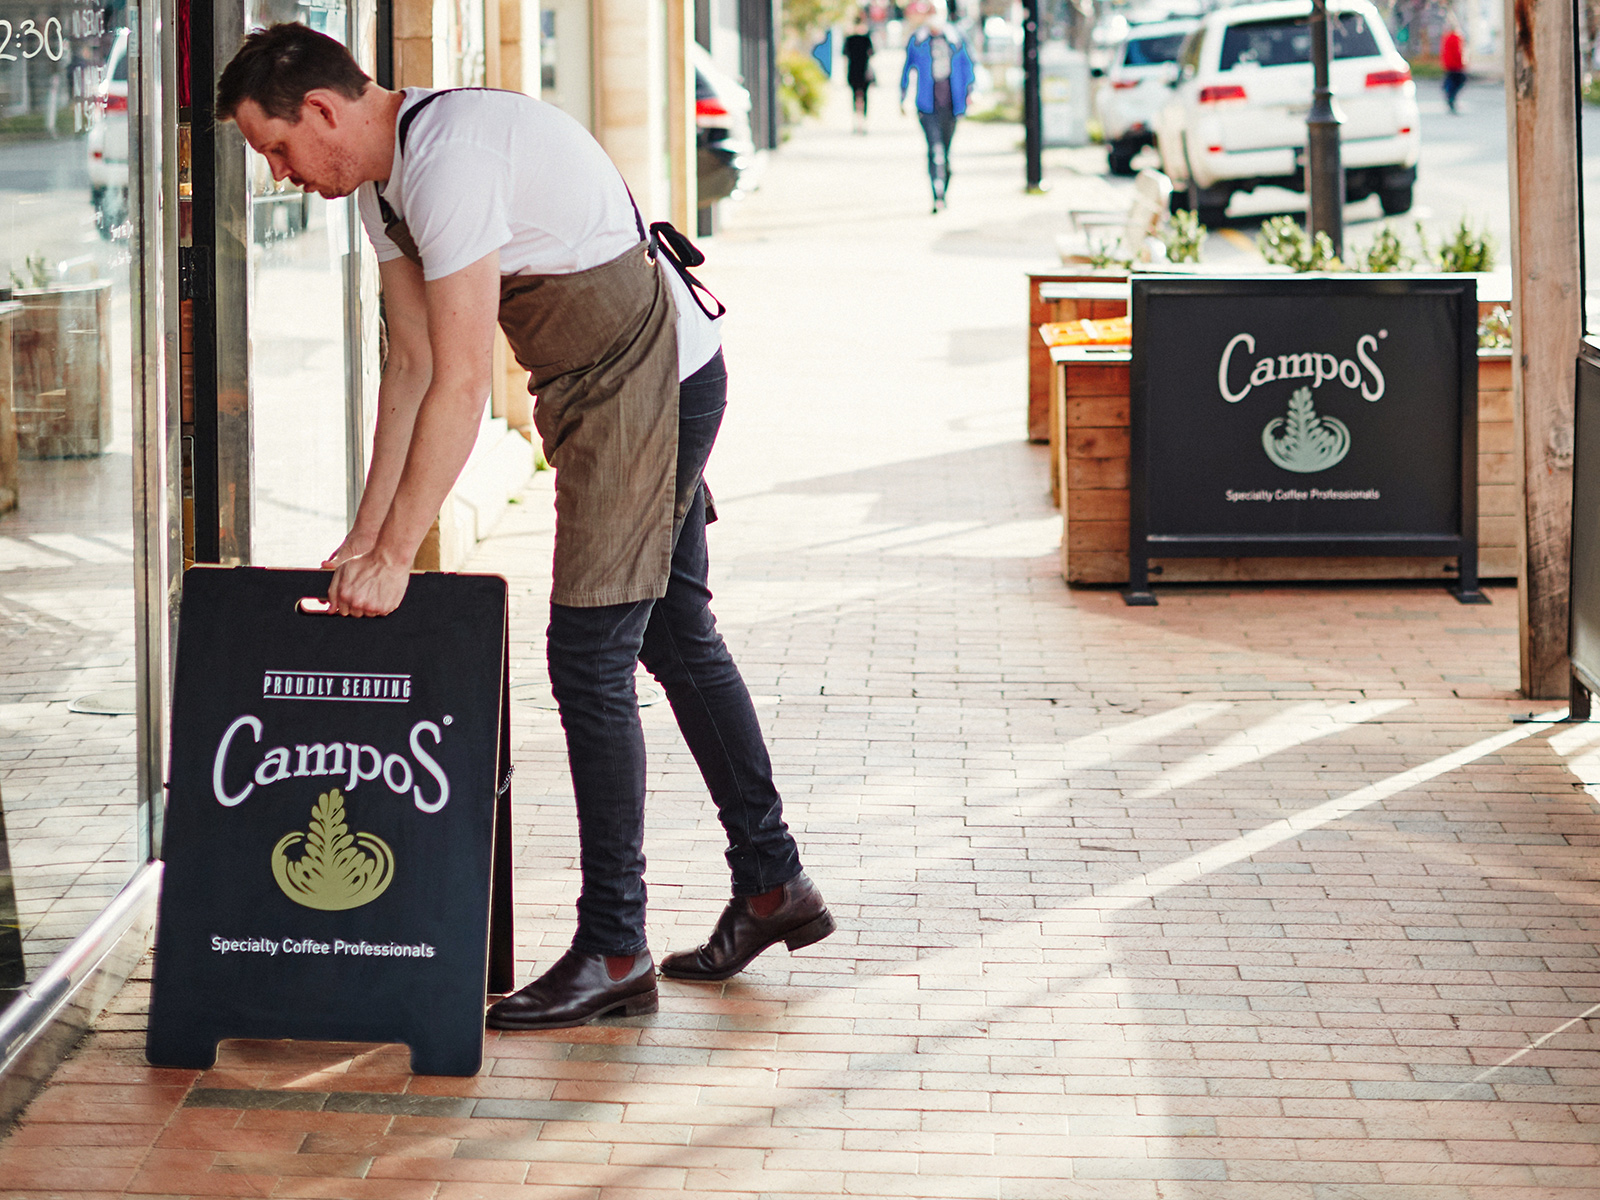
(278, 65)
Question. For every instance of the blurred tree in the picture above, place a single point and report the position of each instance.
(805, 21)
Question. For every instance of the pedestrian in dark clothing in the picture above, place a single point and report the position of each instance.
(1452, 57)
(939, 56)
(858, 70)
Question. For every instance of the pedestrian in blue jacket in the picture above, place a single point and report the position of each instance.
(939, 56)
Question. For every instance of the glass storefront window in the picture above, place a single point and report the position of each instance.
(299, 268)
(458, 46)
(564, 57)
(68, 678)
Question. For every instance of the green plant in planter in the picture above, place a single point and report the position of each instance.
(1386, 253)
(1284, 241)
(1108, 256)
(1494, 331)
(1184, 237)
(1465, 249)
(35, 273)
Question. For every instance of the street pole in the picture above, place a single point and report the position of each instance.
(1324, 170)
(1032, 131)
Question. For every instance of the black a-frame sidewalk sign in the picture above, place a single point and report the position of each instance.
(337, 855)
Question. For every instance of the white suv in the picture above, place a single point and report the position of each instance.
(1134, 88)
(1236, 117)
(108, 141)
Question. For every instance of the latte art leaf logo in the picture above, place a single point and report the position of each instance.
(336, 870)
(1304, 441)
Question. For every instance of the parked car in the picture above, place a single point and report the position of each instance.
(1135, 86)
(108, 141)
(723, 146)
(1236, 118)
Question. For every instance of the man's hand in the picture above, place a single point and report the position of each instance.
(354, 544)
(441, 332)
(368, 586)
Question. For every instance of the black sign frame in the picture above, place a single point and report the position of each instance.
(1146, 539)
(427, 992)
(1583, 608)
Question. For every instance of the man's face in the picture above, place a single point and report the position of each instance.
(311, 153)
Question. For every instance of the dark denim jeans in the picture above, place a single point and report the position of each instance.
(939, 128)
(592, 653)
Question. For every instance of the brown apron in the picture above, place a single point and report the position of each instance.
(601, 349)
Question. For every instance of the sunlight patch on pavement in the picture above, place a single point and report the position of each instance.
(1088, 916)
(1581, 736)
(1014, 539)
(1189, 869)
(95, 610)
(904, 539)
(747, 601)
(24, 712)
(1282, 731)
(1105, 746)
(87, 549)
(1571, 744)
(18, 555)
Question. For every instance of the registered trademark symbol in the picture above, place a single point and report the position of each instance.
(448, 720)
(1383, 333)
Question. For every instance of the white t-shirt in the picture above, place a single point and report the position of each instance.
(489, 170)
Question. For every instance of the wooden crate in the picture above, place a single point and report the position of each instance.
(61, 347)
(1043, 309)
(1088, 427)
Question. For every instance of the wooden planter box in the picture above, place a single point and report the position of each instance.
(1044, 308)
(1089, 445)
(61, 366)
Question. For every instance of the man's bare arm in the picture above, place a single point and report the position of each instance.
(461, 310)
(407, 371)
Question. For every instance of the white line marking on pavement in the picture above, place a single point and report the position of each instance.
(1292, 727)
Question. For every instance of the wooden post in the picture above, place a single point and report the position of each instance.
(683, 191)
(1546, 321)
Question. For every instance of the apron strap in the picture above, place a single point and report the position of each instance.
(404, 128)
(683, 254)
(665, 241)
(662, 239)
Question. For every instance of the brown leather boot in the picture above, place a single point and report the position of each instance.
(799, 919)
(578, 989)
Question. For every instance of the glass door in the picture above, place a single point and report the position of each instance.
(69, 315)
(299, 345)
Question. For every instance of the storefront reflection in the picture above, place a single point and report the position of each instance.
(299, 378)
(67, 778)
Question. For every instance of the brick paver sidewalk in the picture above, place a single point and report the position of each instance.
(1257, 894)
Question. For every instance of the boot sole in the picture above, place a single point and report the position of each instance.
(630, 1006)
(813, 931)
